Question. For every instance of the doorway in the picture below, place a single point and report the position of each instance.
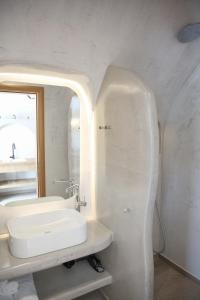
(22, 155)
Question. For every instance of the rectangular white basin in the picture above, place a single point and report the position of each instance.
(46, 232)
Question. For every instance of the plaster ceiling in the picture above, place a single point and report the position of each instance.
(87, 36)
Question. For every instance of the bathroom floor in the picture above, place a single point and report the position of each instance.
(91, 296)
(170, 284)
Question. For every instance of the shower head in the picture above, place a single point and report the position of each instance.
(189, 33)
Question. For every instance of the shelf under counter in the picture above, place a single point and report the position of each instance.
(62, 283)
(99, 238)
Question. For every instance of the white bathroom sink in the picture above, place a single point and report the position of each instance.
(46, 232)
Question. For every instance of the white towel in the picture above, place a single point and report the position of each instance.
(27, 290)
(8, 289)
(22, 288)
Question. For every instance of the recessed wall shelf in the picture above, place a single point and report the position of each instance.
(62, 283)
(99, 238)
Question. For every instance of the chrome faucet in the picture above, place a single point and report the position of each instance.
(75, 192)
(13, 151)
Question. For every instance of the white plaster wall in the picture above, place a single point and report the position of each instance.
(181, 179)
(87, 36)
(126, 179)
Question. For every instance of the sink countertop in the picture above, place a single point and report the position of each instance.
(18, 165)
(99, 238)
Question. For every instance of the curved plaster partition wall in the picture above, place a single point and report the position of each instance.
(126, 181)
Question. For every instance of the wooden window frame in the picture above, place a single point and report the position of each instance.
(39, 91)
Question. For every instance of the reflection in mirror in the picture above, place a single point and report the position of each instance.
(18, 144)
(74, 139)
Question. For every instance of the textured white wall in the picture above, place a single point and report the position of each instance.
(87, 36)
(181, 179)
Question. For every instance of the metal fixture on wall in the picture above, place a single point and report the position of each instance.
(189, 33)
(13, 151)
(75, 189)
(105, 127)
